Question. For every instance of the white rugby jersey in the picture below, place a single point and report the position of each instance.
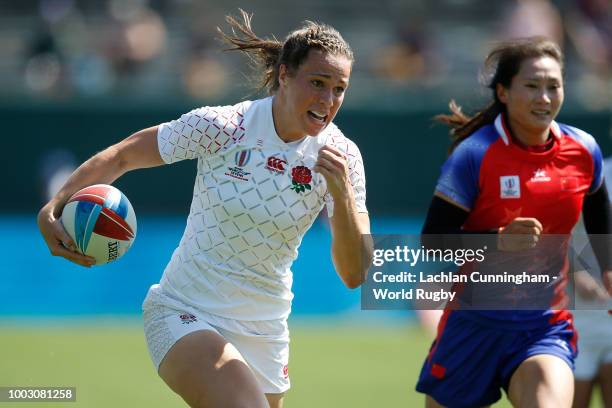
(254, 198)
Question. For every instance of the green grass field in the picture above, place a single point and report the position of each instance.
(332, 365)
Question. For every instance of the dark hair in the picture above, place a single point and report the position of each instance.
(269, 54)
(501, 65)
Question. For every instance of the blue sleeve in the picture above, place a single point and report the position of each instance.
(459, 179)
(591, 145)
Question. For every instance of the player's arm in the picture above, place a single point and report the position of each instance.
(351, 243)
(442, 227)
(445, 218)
(137, 151)
(597, 216)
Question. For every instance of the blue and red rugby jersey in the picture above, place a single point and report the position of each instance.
(496, 180)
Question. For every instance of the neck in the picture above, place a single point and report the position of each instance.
(528, 137)
(281, 123)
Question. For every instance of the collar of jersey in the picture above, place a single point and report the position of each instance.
(504, 133)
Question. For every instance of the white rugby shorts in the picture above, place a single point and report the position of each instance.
(264, 345)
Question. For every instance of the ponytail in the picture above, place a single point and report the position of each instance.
(265, 53)
(463, 126)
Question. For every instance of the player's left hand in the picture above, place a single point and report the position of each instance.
(333, 166)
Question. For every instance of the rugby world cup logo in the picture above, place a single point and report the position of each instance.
(510, 187)
(242, 158)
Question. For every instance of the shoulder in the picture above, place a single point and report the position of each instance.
(480, 140)
(590, 146)
(477, 144)
(459, 179)
(580, 136)
(227, 113)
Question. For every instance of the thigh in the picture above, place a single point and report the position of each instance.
(462, 368)
(275, 400)
(207, 371)
(266, 355)
(583, 389)
(543, 380)
(605, 382)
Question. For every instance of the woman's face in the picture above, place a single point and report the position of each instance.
(313, 94)
(535, 95)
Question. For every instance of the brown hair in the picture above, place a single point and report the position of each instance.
(269, 54)
(501, 65)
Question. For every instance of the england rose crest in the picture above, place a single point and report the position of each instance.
(301, 178)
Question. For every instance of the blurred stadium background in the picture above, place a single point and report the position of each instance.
(77, 76)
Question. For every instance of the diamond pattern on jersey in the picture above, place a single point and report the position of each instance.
(355, 166)
(257, 225)
(203, 131)
(243, 233)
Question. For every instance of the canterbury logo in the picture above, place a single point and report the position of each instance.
(276, 164)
